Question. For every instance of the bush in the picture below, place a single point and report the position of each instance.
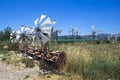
(107, 41)
(28, 62)
(98, 42)
(4, 59)
(12, 46)
(1, 45)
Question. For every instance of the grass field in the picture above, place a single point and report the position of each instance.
(88, 61)
(92, 61)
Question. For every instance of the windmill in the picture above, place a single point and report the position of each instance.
(22, 36)
(74, 31)
(14, 39)
(43, 30)
(55, 34)
(94, 33)
(77, 32)
(112, 38)
(13, 36)
(71, 31)
(25, 36)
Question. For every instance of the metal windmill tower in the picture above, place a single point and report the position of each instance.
(94, 33)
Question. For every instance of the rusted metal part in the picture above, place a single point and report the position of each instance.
(52, 60)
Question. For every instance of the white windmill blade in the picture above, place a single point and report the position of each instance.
(92, 27)
(47, 21)
(44, 39)
(42, 17)
(36, 22)
(32, 30)
(12, 36)
(47, 30)
(17, 37)
(27, 28)
(33, 40)
(12, 41)
(37, 41)
(17, 32)
(22, 28)
(53, 22)
(27, 40)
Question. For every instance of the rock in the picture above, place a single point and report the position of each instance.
(6, 47)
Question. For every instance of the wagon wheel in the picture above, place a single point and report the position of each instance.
(61, 61)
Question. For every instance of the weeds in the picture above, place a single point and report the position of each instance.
(28, 62)
(92, 61)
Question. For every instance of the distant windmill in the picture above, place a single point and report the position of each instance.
(25, 36)
(13, 36)
(77, 32)
(112, 38)
(22, 36)
(73, 31)
(55, 34)
(94, 33)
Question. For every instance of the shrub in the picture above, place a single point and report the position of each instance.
(98, 42)
(12, 46)
(4, 59)
(28, 62)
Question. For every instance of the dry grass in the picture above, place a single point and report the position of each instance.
(92, 61)
(86, 62)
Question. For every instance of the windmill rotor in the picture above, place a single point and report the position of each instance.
(25, 34)
(13, 36)
(42, 17)
(94, 33)
(92, 27)
(44, 26)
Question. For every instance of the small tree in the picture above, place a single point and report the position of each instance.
(1, 35)
(7, 32)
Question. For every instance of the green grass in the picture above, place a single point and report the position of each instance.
(4, 52)
(28, 62)
(92, 61)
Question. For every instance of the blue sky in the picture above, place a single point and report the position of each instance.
(81, 14)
